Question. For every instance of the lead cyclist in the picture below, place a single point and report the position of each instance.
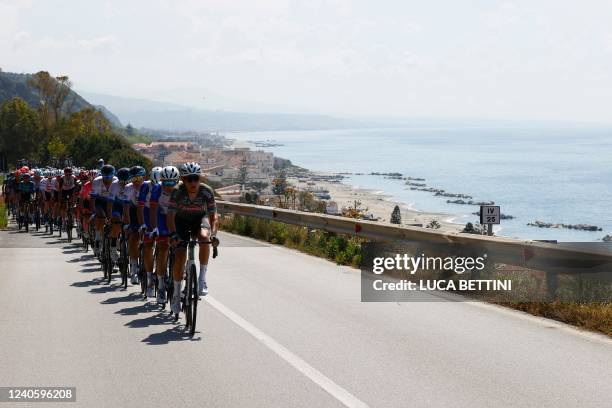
(190, 203)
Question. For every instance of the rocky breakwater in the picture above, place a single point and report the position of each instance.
(581, 227)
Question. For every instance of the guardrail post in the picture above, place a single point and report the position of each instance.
(552, 282)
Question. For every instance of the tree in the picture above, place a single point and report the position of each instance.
(19, 127)
(57, 148)
(396, 215)
(129, 130)
(53, 93)
(433, 224)
(243, 173)
(279, 184)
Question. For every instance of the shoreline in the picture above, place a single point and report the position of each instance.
(380, 205)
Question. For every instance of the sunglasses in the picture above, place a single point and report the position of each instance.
(192, 178)
(169, 183)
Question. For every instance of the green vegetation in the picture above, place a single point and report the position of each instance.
(340, 249)
(133, 136)
(50, 133)
(593, 316)
(396, 215)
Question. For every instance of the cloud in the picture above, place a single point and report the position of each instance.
(98, 44)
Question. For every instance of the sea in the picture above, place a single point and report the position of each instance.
(556, 175)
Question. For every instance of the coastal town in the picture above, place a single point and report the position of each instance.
(241, 171)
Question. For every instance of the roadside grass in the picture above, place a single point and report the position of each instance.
(346, 250)
(340, 249)
(594, 316)
(3, 216)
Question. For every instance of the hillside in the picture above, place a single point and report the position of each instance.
(15, 85)
(169, 116)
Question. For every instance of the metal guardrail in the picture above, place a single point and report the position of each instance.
(554, 258)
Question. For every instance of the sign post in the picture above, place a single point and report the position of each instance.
(489, 215)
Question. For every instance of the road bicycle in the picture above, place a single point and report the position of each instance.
(190, 295)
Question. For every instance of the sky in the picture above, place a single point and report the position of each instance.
(533, 59)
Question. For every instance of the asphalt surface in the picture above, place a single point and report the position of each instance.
(280, 329)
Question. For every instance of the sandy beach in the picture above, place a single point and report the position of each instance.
(381, 206)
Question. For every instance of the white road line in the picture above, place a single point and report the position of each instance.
(302, 366)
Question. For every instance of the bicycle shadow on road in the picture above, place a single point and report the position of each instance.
(141, 308)
(158, 319)
(85, 284)
(89, 270)
(176, 333)
(105, 289)
(129, 298)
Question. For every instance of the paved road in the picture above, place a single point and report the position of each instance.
(280, 329)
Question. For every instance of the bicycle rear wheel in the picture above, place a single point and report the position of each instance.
(123, 266)
(141, 271)
(69, 231)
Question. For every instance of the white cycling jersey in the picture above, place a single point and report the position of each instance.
(102, 191)
(133, 193)
(122, 194)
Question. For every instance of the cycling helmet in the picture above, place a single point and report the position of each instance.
(169, 173)
(155, 172)
(94, 173)
(83, 175)
(123, 174)
(190, 168)
(137, 171)
(25, 175)
(67, 170)
(24, 169)
(38, 172)
(107, 171)
(100, 163)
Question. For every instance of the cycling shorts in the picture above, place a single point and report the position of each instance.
(186, 227)
(162, 226)
(67, 194)
(117, 209)
(134, 224)
(48, 196)
(100, 205)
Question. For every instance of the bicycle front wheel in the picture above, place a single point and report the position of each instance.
(193, 299)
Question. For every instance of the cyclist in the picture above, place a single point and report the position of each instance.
(145, 214)
(66, 188)
(100, 164)
(137, 174)
(103, 191)
(48, 186)
(84, 210)
(118, 216)
(169, 177)
(26, 190)
(39, 187)
(190, 202)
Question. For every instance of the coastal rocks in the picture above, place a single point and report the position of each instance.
(445, 194)
(470, 202)
(581, 227)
